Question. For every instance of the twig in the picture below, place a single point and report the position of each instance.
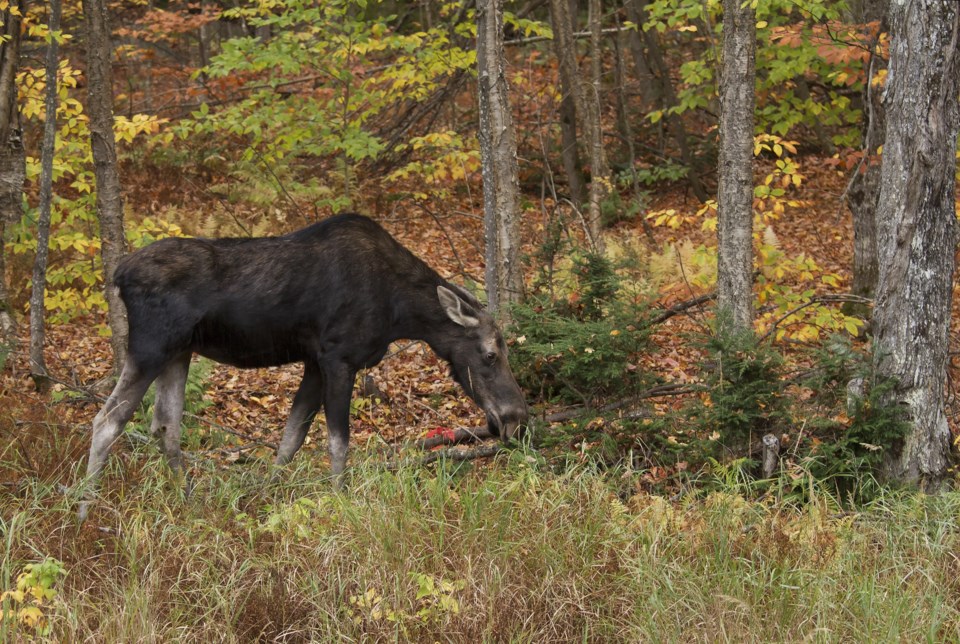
(446, 233)
(683, 306)
(465, 434)
(868, 137)
(451, 454)
(683, 272)
(577, 35)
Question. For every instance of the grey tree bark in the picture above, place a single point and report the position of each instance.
(599, 169)
(38, 366)
(666, 95)
(650, 92)
(109, 198)
(571, 102)
(917, 231)
(735, 189)
(12, 159)
(864, 187)
(498, 157)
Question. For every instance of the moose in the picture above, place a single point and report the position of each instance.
(332, 296)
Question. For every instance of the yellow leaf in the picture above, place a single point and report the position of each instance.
(31, 616)
(852, 326)
(16, 595)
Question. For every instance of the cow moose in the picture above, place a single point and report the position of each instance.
(333, 296)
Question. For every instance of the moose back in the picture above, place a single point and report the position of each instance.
(332, 296)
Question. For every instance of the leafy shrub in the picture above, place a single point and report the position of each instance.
(583, 346)
(744, 389)
(859, 422)
(25, 606)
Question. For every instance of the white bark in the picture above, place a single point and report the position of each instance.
(735, 190)
(498, 153)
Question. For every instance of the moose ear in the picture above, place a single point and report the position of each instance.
(456, 308)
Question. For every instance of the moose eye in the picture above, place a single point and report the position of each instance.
(490, 357)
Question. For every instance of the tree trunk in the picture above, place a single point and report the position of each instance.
(917, 231)
(623, 124)
(109, 199)
(863, 194)
(649, 86)
(12, 159)
(38, 366)
(735, 190)
(864, 189)
(599, 170)
(571, 103)
(668, 97)
(498, 155)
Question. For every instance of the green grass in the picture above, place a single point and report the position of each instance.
(514, 553)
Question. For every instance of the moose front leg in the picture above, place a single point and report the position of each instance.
(338, 386)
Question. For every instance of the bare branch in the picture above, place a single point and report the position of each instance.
(681, 307)
(451, 454)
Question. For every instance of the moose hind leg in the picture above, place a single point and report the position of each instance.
(168, 410)
(109, 422)
(306, 404)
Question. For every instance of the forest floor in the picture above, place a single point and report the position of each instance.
(416, 396)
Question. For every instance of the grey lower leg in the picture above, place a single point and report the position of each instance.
(338, 389)
(109, 423)
(168, 411)
(306, 403)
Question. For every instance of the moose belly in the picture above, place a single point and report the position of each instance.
(247, 346)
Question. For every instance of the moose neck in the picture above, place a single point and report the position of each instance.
(419, 316)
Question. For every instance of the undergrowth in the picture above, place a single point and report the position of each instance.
(582, 333)
(517, 552)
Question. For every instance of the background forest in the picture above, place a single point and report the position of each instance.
(689, 476)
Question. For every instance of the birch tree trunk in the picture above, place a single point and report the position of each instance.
(917, 231)
(735, 189)
(38, 366)
(109, 198)
(498, 157)
(12, 159)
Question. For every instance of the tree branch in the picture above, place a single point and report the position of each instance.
(676, 309)
(451, 454)
(469, 434)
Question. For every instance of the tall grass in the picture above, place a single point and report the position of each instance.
(514, 553)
